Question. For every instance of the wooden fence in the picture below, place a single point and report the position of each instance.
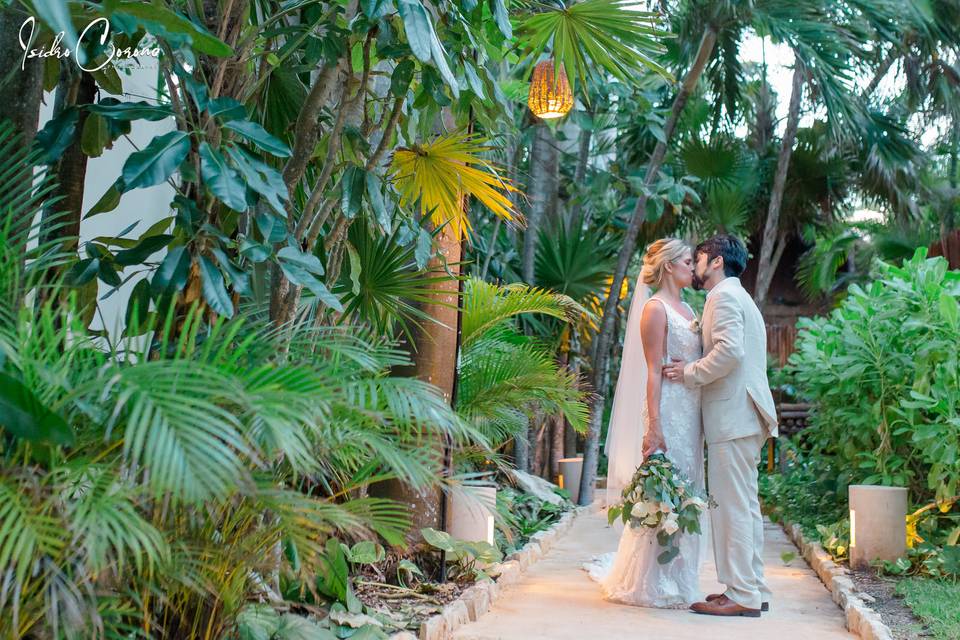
(951, 243)
(780, 341)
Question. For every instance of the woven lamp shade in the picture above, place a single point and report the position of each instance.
(549, 99)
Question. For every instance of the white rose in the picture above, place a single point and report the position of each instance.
(694, 500)
(670, 525)
(640, 510)
(666, 508)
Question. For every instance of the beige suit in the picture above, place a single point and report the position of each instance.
(738, 416)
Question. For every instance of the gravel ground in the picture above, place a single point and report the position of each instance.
(895, 614)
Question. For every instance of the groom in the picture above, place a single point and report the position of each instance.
(738, 416)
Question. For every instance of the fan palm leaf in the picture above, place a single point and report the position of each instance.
(575, 260)
(385, 285)
(441, 173)
(593, 35)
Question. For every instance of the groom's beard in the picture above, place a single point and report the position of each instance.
(697, 283)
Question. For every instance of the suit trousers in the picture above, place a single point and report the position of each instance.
(736, 521)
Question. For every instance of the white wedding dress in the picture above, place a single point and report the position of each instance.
(632, 575)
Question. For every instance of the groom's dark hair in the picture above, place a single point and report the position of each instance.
(730, 248)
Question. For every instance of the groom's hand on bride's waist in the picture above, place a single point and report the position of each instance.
(674, 371)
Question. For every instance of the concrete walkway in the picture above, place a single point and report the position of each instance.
(556, 600)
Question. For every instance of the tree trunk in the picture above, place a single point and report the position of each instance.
(435, 352)
(949, 219)
(580, 173)
(543, 149)
(769, 248)
(61, 220)
(22, 92)
(606, 334)
(539, 434)
(570, 437)
(542, 153)
(557, 427)
(78, 88)
(22, 88)
(434, 361)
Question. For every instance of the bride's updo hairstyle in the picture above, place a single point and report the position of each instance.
(656, 258)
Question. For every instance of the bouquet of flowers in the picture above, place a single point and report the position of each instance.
(660, 497)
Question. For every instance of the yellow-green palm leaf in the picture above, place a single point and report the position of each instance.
(487, 305)
(442, 172)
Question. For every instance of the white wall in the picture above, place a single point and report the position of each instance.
(146, 205)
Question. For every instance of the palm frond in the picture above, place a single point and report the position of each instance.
(574, 259)
(385, 285)
(485, 305)
(593, 35)
(720, 162)
(441, 173)
(104, 518)
(502, 381)
(177, 430)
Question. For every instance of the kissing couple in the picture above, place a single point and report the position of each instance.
(684, 381)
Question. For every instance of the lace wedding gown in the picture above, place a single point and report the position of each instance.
(632, 575)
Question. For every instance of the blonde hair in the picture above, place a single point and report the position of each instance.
(656, 258)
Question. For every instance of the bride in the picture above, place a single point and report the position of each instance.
(651, 413)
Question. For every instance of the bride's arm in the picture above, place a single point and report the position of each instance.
(653, 328)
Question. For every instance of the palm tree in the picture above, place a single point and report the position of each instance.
(774, 241)
(822, 40)
(506, 376)
(605, 335)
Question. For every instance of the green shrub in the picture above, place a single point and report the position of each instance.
(883, 374)
(809, 493)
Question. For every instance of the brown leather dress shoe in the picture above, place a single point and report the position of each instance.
(723, 606)
(713, 596)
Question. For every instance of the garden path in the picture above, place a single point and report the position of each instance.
(555, 599)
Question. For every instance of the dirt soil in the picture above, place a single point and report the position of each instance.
(883, 599)
(408, 607)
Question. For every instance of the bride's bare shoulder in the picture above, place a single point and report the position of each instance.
(654, 314)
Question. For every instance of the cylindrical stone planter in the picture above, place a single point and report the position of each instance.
(878, 529)
(470, 517)
(570, 470)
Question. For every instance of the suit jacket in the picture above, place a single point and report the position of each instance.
(736, 400)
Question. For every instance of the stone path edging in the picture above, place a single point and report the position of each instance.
(861, 619)
(477, 600)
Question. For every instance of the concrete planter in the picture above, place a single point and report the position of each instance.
(570, 471)
(877, 524)
(470, 514)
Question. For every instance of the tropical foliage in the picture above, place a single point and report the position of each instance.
(181, 468)
(881, 372)
(505, 377)
(343, 185)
